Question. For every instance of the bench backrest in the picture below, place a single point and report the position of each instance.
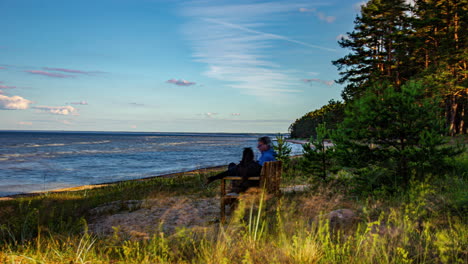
(270, 177)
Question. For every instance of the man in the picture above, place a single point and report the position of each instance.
(265, 146)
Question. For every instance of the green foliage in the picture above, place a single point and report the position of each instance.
(378, 46)
(282, 149)
(317, 156)
(399, 130)
(405, 229)
(394, 42)
(305, 127)
(22, 219)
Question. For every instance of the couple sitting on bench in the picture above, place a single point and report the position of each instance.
(248, 167)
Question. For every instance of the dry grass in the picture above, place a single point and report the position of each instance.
(171, 221)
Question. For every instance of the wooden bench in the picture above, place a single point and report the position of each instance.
(270, 179)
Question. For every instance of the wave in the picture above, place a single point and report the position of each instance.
(174, 143)
(34, 145)
(92, 142)
(44, 145)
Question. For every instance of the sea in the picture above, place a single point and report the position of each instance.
(38, 161)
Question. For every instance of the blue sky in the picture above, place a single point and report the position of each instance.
(168, 66)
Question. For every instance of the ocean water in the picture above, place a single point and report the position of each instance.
(42, 161)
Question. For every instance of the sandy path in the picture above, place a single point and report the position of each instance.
(154, 215)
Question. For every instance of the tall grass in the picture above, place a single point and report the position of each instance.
(428, 224)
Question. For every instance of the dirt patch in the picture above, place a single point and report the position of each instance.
(156, 215)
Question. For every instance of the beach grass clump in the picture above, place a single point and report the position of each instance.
(261, 233)
(326, 222)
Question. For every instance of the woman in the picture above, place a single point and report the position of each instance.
(246, 168)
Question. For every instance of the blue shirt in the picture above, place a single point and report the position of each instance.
(269, 155)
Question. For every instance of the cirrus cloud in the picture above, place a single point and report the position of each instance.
(50, 74)
(319, 15)
(23, 123)
(14, 103)
(7, 87)
(79, 103)
(210, 115)
(342, 36)
(72, 71)
(57, 110)
(180, 82)
(328, 83)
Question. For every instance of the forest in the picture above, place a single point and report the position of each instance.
(394, 43)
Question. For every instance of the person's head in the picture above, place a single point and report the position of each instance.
(264, 144)
(247, 155)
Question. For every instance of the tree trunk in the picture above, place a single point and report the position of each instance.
(462, 119)
(453, 115)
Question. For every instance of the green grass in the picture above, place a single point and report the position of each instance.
(428, 224)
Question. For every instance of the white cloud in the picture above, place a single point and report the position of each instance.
(180, 82)
(342, 36)
(327, 83)
(58, 110)
(230, 40)
(25, 123)
(79, 103)
(235, 114)
(357, 6)
(14, 103)
(65, 122)
(319, 15)
(210, 115)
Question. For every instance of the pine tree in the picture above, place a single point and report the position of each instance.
(398, 129)
(379, 47)
(317, 158)
(441, 29)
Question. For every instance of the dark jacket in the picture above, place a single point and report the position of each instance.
(244, 170)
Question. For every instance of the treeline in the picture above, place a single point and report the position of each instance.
(331, 114)
(393, 43)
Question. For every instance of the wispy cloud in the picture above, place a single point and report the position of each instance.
(319, 15)
(58, 110)
(180, 82)
(65, 122)
(235, 44)
(79, 103)
(211, 115)
(267, 35)
(136, 104)
(2, 68)
(342, 36)
(357, 6)
(13, 103)
(72, 71)
(23, 123)
(51, 74)
(235, 114)
(7, 87)
(328, 83)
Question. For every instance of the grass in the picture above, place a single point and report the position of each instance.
(428, 224)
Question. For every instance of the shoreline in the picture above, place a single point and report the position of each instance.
(297, 141)
(105, 184)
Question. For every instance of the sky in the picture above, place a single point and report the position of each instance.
(168, 66)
